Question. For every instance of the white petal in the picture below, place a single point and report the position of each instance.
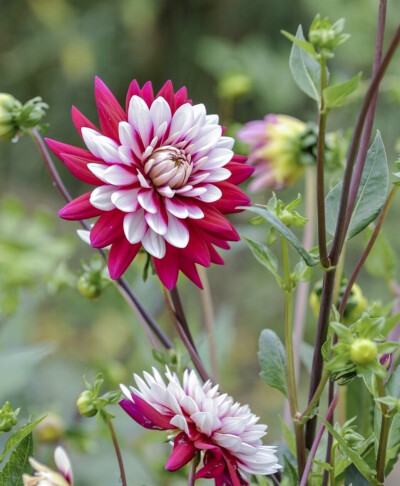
(218, 175)
(213, 193)
(228, 441)
(205, 141)
(160, 113)
(139, 117)
(204, 422)
(126, 200)
(98, 170)
(89, 137)
(199, 113)
(128, 138)
(166, 191)
(142, 180)
(135, 226)
(84, 235)
(212, 119)
(217, 158)
(62, 462)
(154, 244)
(226, 142)
(101, 197)
(103, 147)
(125, 155)
(180, 422)
(119, 176)
(156, 222)
(147, 200)
(195, 212)
(177, 208)
(182, 119)
(177, 234)
(125, 390)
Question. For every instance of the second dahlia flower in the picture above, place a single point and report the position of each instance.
(165, 177)
(203, 421)
(275, 150)
(44, 476)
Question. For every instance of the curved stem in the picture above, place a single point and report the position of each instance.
(317, 440)
(117, 452)
(145, 318)
(208, 319)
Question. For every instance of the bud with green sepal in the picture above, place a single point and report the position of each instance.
(287, 214)
(94, 279)
(8, 418)
(90, 403)
(15, 118)
(325, 36)
(358, 349)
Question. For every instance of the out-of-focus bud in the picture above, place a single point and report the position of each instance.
(386, 360)
(234, 85)
(85, 404)
(16, 117)
(356, 303)
(94, 278)
(44, 476)
(325, 36)
(363, 351)
(50, 429)
(9, 107)
(8, 418)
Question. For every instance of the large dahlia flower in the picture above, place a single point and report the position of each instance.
(165, 177)
(203, 420)
(44, 476)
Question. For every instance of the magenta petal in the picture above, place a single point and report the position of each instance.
(107, 229)
(81, 121)
(213, 221)
(79, 208)
(145, 415)
(110, 111)
(167, 268)
(181, 97)
(167, 92)
(240, 172)
(147, 93)
(183, 452)
(79, 167)
(197, 248)
(215, 257)
(214, 464)
(59, 148)
(133, 90)
(189, 269)
(120, 257)
(232, 197)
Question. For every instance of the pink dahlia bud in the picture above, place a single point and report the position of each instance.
(44, 476)
(275, 150)
(204, 421)
(165, 177)
(386, 360)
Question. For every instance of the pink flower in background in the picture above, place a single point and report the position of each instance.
(275, 151)
(165, 177)
(45, 476)
(203, 420)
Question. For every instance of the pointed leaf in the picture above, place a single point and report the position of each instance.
(336, 95)
(371, 194)
(264, 255)
(18, 464)
(381, 261)
(18, 436)
(305, 45)
(272, 359)
(285, 232)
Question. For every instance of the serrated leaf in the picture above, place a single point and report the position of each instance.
(272, 359)
(371, 194)
(381, 261)
(18, 436)
(358, 462)
(264, 255)
(285, 232)
(18, 464)
(306, 71)
(336, 95)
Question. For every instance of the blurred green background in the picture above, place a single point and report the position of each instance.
(231, 56)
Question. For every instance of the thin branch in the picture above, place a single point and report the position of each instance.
(117, 452)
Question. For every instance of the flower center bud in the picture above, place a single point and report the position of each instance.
(168, 166)
(363, 351)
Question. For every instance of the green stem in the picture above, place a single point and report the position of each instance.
(320, 171)
(315, 399)
(291, 376)
(384, 435)
(117, 451)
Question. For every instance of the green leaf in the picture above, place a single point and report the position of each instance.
(306, 45)
(371, 194)
(18, 464)
(306, 71)
(336, 95)
(289, 471)
(285, 232)
(358, 462)
(264, 255)
(272, 359)
(289, 437)
(381, 261)
(18, 436)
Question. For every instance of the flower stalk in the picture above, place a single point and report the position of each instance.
(384, 434)
(117, 451)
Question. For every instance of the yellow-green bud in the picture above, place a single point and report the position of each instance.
(85, 404)
(234, 85)
(363, 351)
(8, 418)
(50, 429)
(88, 287)
(8, 107)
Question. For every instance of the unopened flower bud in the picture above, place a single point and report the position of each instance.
(85, 404)
(234, 85)
(8, 418)
(8, 109)
(386, 360)
(88, 287)
(363, 351)
(50, 429)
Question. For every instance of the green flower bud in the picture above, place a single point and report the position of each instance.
(85, 404)
(8, 110)
(8, 418)
(88, 287)
(363, 351)
(234, 85)
(50, 429)
(326, 36)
